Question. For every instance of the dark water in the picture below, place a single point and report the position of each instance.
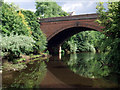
(71, 71)
(30, 77)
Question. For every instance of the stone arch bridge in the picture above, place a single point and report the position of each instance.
(58, 29)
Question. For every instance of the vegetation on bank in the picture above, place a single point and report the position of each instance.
(20, 34)
(85, 41)
(110, 19)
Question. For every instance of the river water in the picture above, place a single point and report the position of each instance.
(83, 70)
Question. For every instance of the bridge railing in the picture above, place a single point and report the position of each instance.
(68, 18)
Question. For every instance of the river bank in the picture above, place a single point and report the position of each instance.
(21, 63)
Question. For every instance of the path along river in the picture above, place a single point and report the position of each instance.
(84, 70)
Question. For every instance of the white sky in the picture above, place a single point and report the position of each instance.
(78, 6)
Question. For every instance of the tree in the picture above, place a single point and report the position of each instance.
(36, 33)
(12, 22)
(86, 41)
(49, 9)
(110, 19)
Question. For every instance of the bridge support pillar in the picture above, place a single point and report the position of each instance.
(60, 52)
(55, 50)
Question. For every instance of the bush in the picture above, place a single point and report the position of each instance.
(13, 45)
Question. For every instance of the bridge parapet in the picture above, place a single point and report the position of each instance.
(69, 18)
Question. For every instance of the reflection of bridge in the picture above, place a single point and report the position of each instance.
(58, 29)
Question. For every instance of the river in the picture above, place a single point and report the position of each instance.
(83, 70)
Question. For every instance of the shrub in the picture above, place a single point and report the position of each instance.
(13, 45)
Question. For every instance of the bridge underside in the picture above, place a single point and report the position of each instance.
(58, 39)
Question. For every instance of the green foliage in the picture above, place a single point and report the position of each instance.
(36, 33)
(86, 41)
(49, 9)
(13, 45)
(32, 78)
(73, 46)
(89, 65)
(20, 32)
(12, 21)
(110, 20)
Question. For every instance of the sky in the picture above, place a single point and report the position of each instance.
(76, 6)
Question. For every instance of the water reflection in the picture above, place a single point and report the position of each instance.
(31, 77)
(88, 65)
(89, 70)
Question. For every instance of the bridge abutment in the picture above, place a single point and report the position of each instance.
(55, 51)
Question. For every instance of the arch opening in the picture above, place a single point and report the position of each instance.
(60, 37)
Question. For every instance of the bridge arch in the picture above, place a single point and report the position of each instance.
(58, 29)
(77, 24)
(60, 35)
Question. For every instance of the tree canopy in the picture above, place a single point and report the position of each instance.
(110, 19)
(12, 21)
(34, 26)
(49, 9)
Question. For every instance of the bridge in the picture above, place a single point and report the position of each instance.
(59, 29)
